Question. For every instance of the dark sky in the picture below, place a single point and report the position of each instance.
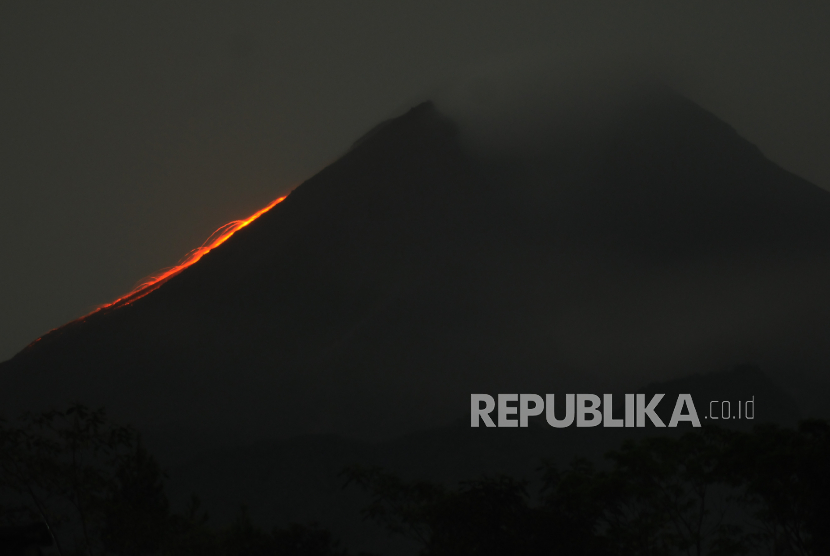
(130, 131)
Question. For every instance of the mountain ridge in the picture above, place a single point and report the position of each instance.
(413, 271)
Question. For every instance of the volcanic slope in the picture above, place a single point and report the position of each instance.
(415, 270)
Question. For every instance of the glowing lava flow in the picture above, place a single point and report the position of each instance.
(216, 239)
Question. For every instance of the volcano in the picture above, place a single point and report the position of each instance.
(417, 269)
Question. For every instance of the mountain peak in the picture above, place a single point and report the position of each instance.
(417, 269)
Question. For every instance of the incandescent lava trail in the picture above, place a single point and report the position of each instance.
(216, 239)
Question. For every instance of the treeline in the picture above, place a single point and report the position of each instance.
(95, 491)
(711, 491)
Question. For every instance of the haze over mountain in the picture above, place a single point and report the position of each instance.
(133, 131)
(420, 267)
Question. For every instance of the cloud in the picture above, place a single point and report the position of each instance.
(518, 103)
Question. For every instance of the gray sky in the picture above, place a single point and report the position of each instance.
(130, 131)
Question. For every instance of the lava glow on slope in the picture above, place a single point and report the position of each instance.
(216, 239)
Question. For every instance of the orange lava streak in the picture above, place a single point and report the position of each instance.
(216, 239)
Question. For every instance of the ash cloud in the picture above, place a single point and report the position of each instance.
(528, 103)
(663, 274)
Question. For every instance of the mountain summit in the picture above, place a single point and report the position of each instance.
(415, 270)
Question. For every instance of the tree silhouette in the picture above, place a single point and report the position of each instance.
(59, 468)
(708, 492)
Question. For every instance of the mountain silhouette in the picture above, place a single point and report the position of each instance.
(300, 479)
(416, 270)
(720, 397)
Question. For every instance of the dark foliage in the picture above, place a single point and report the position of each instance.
(91, 488)
(712, 492)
